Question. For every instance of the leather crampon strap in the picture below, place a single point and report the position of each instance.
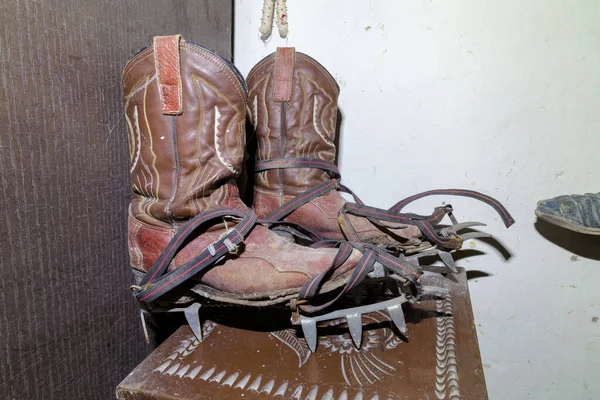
(371, 256)
(423, 222)
(279, 163)
(376, 215)
(495, 204)
(302, 199)
(156, 282)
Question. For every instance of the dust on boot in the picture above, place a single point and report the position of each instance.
(192, 240)
(293, 104)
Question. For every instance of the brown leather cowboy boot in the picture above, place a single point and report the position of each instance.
(293, 107)
(185, 111)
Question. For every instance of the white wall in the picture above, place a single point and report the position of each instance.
(505, 95)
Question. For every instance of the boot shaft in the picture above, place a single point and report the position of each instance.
(293, 106)
(185, 110)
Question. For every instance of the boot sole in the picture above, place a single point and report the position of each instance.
(564, 223)
(254, 299)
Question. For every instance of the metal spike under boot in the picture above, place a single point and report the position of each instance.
(353, 316)
(192, 316)
(456, 227)
(452, 230)
(444, 255)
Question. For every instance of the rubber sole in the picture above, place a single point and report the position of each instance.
(564, 223)
(254, 299)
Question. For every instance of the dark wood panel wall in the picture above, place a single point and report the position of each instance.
(69, 329)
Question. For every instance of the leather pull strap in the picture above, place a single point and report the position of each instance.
(168, 70)
(284, 73)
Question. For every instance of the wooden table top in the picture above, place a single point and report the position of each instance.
(439, 360)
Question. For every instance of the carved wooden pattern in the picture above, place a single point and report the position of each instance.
(440, 361)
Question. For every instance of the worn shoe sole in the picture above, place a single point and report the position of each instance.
(255, 299)
(564, 223)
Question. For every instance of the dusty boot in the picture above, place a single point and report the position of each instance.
(579, 213)
(185, 111)
(293, 104)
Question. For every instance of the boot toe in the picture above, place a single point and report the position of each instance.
(269, 262)
(549, 207)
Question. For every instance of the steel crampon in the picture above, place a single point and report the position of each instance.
(293, 108)
(190, 232)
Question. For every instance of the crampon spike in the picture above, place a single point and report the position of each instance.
(355, 327)
(397, 316)
(467, 224)
(455, 228)
(448, 260)
(445, 256)
(192, 315)
(309, 328)
(452, 218)
(414, 261)
(474, 235)
(352, 316)
(378, 271)
(426, 253)
(144, 325)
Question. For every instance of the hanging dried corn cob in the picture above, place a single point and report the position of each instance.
(282, 23)
(266, 24)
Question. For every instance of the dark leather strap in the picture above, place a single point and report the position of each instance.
(388, 216)
(163, 261)
(371, 255)
(302, 199)
(292, 228)
(495, 204)
(360, 272)
(375, 215)
(157, 282)
(453, 243)
(312, 286)
(279, 163)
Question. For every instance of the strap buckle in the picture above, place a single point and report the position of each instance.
(231, 247)
(135, 288)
